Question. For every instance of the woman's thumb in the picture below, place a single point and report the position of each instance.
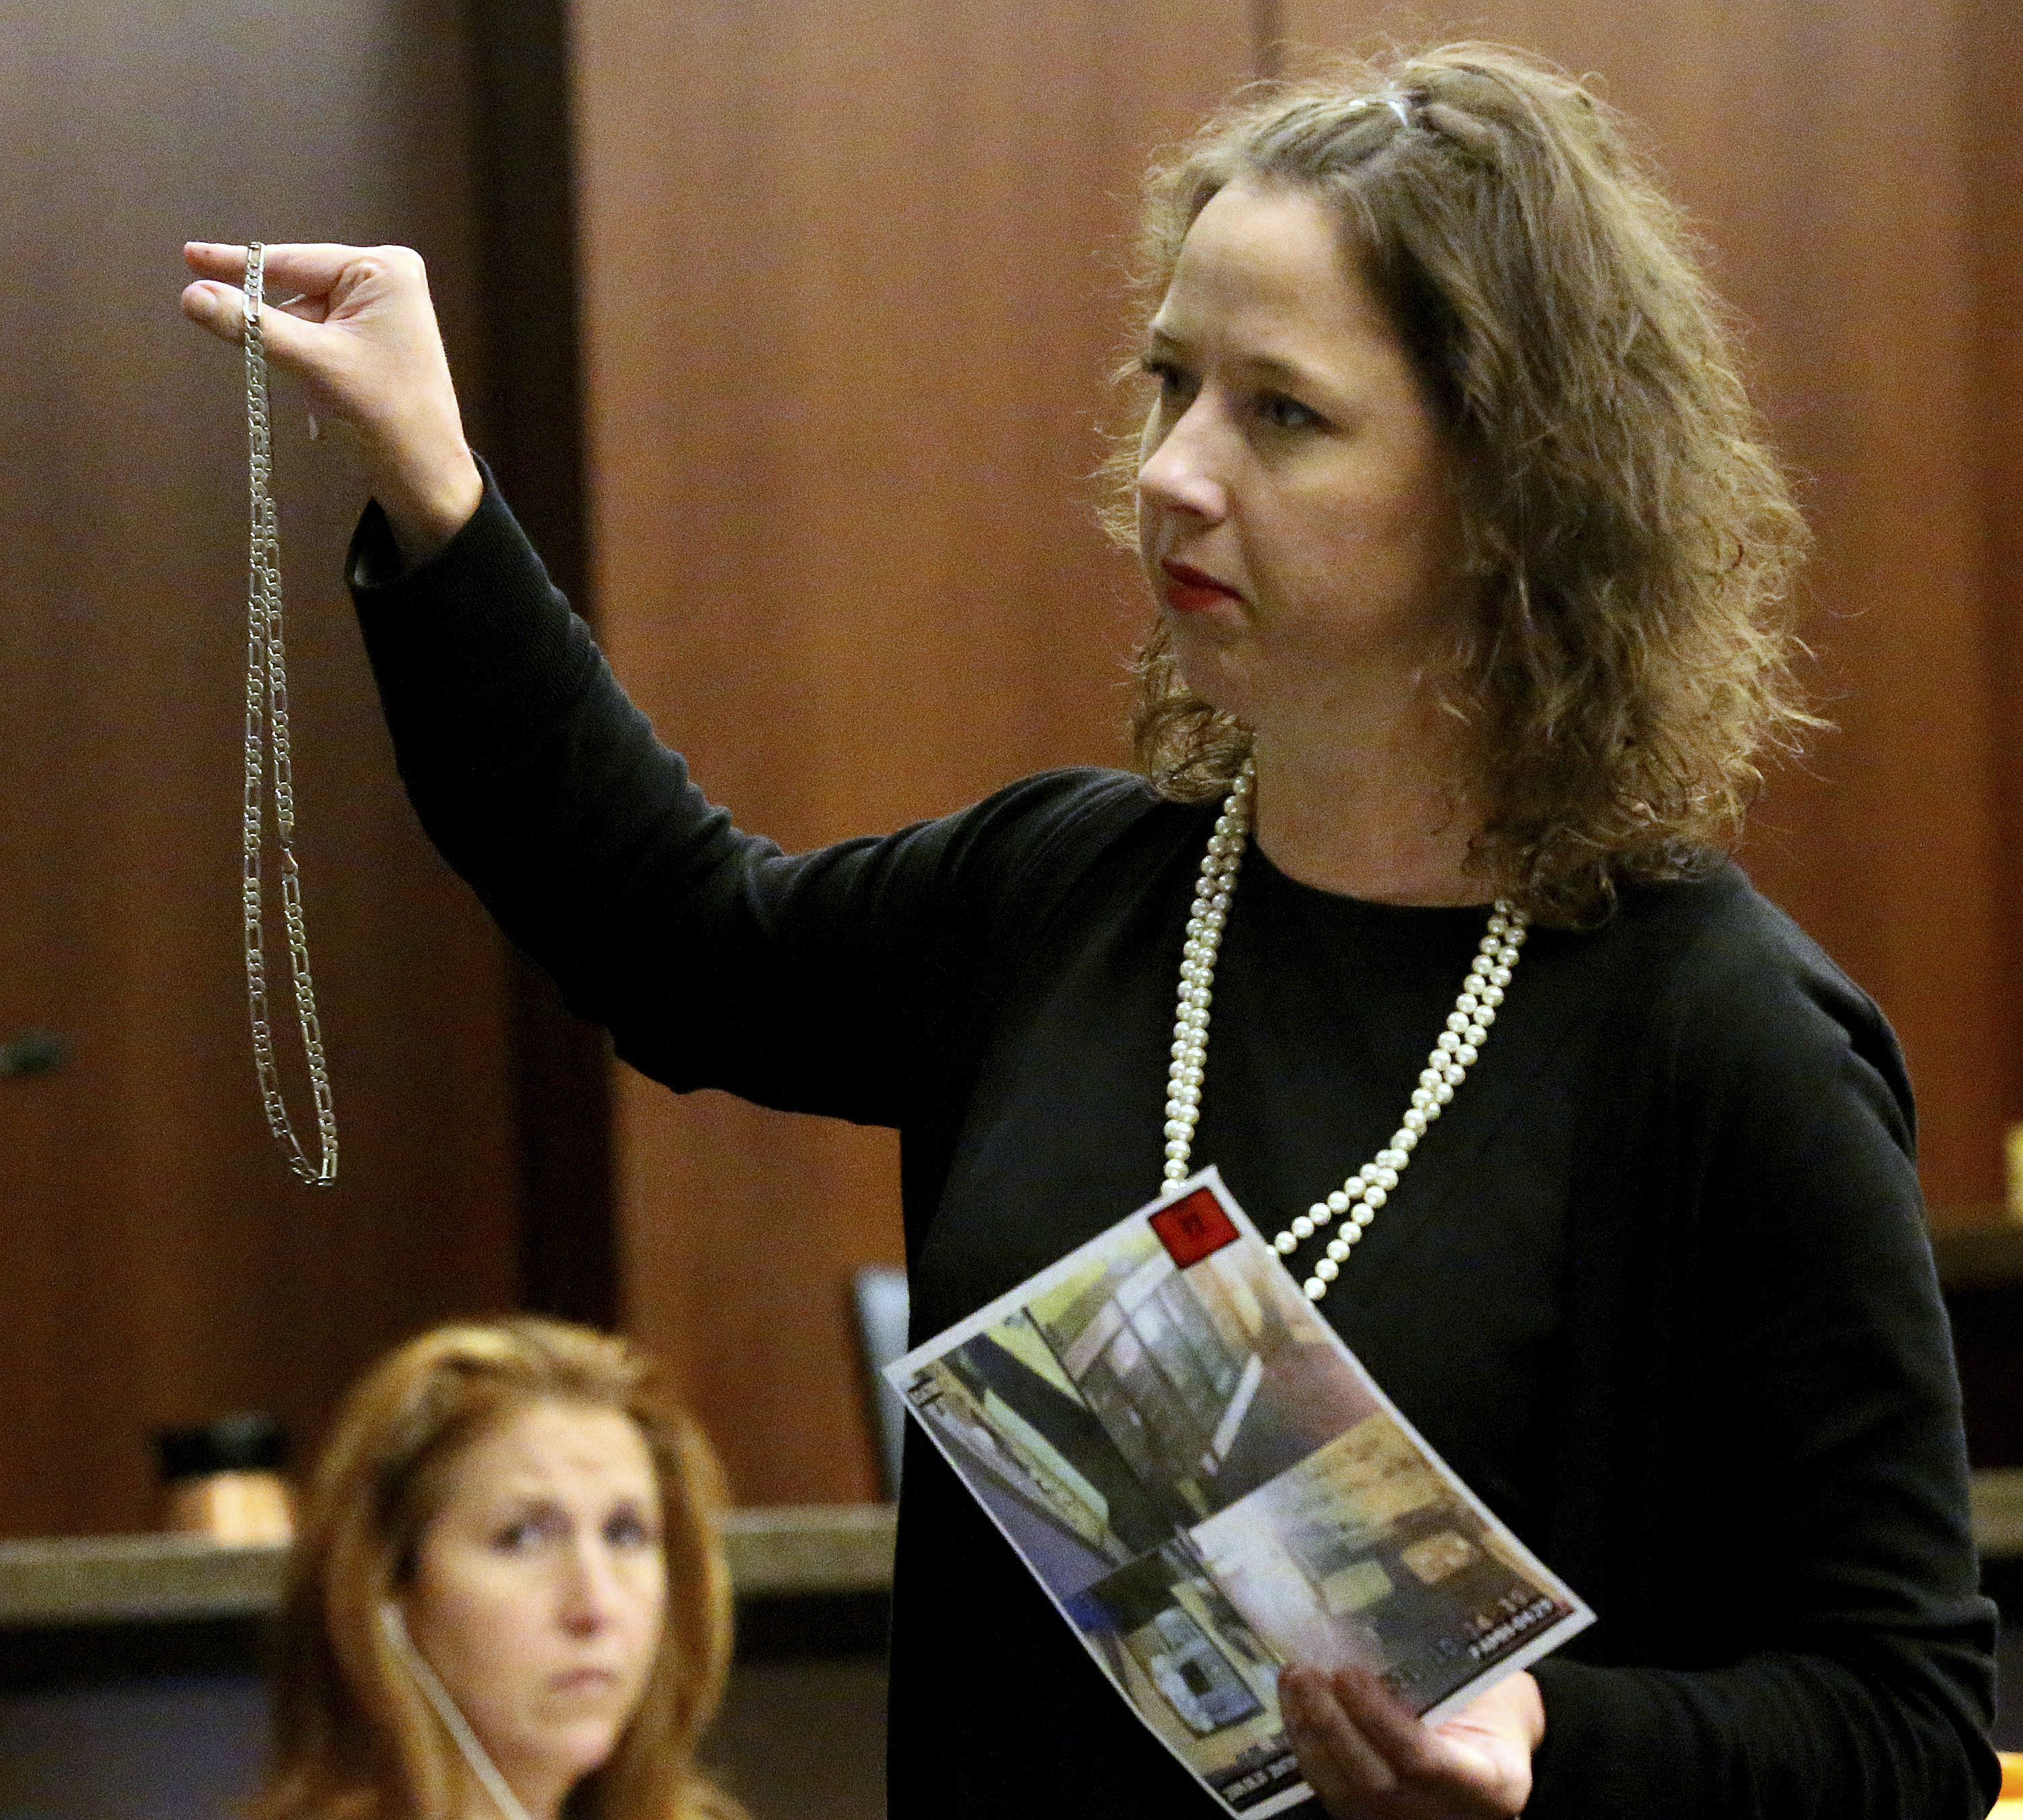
(220, 307)
(224, 310)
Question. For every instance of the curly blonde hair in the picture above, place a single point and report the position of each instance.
(354, 1739)
(1633, 539)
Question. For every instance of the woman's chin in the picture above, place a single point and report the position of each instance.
(587, 1745)
(565, 1752)
(1215, 672)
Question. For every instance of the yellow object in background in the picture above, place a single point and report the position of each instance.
(240, 1509)
(2009, 1807)
(223, 1480)
(2013, 1159)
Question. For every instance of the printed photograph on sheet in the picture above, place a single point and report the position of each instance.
(1210, 1487)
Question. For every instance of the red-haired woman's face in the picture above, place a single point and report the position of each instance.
(540, 1589)
(1297, 516)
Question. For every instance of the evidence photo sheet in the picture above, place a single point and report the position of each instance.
(1210, 1487)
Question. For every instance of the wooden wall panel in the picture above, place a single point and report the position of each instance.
(1841, 162)
(1991, 96)
(850, 288)
(161, 1266)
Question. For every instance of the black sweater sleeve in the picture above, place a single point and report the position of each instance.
(714, 959)
(834, 981)
(1804, 1555)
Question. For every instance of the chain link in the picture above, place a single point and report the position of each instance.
(267, 737)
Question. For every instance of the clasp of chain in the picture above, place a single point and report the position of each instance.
(267, 754)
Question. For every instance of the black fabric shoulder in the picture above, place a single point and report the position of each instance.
(1030, 845)
(1725, 980)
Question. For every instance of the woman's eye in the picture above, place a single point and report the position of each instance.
(1173, 381)
(628, 1530)
(1284, 413)
(525, 1534)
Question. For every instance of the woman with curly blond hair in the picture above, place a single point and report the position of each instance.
(508, 1600)
(1471, 574)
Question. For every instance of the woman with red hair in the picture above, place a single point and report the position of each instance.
(507, 1596)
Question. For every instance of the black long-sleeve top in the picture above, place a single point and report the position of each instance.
(1656, 1285)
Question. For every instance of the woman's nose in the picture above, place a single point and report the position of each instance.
(589, 1593)
(1183, 472)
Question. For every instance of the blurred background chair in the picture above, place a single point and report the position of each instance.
(880, 1292)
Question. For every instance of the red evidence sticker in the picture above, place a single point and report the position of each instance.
(1191, 1229)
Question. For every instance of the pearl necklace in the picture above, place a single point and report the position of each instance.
(1447, 1067)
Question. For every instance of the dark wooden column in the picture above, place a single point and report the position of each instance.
(531, 411)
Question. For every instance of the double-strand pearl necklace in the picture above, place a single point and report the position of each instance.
(1358, 1198)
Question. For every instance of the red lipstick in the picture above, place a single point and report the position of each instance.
(1189, 590)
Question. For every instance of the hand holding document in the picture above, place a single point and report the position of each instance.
(1211, 1489)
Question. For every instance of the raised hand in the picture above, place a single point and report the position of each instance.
(359, 333)
(1368, 1758)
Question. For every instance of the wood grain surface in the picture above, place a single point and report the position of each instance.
(160, 1266)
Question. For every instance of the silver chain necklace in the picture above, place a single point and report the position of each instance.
(267, 735)
(1358, 1199)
